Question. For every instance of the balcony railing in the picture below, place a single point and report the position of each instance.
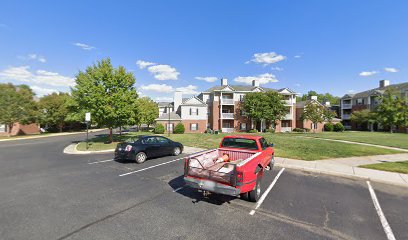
(346, 106)
(227, 130)
(286, 129)
(346, 116)
(288, 116)
(227, 101)
(227, 116)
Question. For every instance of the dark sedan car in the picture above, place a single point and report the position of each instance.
(142, 147)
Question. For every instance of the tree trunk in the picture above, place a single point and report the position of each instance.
(120, 131)
(110, 135)
(10, 126)
(60, 127)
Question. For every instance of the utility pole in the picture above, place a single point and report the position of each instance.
(168, 125)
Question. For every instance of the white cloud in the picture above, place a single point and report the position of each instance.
(34, 57)
(368, 73)
(164, 99)
(351, 91)
(23, 74)
(267, 58)
(163, 72)
(40, 91)
(143, 64)
(391, 70)
(163, 88)
(84, 46)
(279, 69)
(207, 79)
(190, 89)
(297, 56)
(262, 78)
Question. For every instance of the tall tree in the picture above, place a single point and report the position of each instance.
(147, 110)
(55, 109)
(364, 116)
(17, 105)
(255, 106)
(108, 93)
(314, 112)
(321, 97)
(391, 110)
(276, 108)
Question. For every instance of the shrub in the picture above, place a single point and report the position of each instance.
(270, 130)
(253, 131)
(159, 129)
(179, 129)
(297, 130)
(328, 127)
(338, 127)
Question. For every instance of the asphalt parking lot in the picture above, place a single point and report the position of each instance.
(46, 194)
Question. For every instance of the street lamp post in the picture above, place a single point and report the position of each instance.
(168, 125)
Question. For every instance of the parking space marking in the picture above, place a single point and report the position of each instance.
(144, 169)
(260, 201)
(109, 160)
(384, 222)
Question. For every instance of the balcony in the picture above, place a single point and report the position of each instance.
(227, 101)
(286, 129)
(346, 116)
(227, 115)
(346, 106)
(227, 130)
(288, 102)
(288, 116)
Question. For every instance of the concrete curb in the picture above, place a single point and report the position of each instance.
(50, 135)
(72, 149)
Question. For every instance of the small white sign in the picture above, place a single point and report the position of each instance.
(87, 117)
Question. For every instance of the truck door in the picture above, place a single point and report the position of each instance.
(266, 154)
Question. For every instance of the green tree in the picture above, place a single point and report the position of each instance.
(321, 97)
(276, 108)
(329, 114)
(17, 105)
(55, 109)
(108, 93)
(392, 110)
(147, 111)
(364, 116)
(314, 112)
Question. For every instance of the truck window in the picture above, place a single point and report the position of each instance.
(239, 143)
(264, 143)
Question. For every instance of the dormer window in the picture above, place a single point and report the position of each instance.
(193, 111)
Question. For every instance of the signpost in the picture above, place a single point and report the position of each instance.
(87, 121)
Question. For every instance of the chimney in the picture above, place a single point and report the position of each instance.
(255, 83)
(224, 82)
(178, 98)
(313, 98)
(384, 83)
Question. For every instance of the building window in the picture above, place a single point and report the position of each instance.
(313, 125)
(360, 101)
(194, 126)
(169, 127)
(2, 128)
(193, 111)
(243, 126)
(241, 98)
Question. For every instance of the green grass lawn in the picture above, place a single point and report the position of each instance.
(400, 167)
(399, 140)
(286, 145)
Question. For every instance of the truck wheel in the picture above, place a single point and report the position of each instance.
(244, 196)
(176, 151)
(271, 163)
(140, 157)
(255, 194)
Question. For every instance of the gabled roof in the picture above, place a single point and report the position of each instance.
(380, 91)
(173, 116)
(165, 104)
(237, 88)
(349, 95)
(302, 104)
(190, 102)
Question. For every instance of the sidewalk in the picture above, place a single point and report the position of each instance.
(27, 137)
(349, 167)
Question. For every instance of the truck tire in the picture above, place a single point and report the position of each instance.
(140, 157)
(255, 194)
(272, 162)
(244, 196)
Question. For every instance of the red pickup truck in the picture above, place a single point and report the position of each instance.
(235, 168)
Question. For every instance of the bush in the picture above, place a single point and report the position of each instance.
(159, 129)
(338, 127)
(297, 130)
(328, 127)
(253, 131)
(179, 129)
(270, 130)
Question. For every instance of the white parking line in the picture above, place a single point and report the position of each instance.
(109, 160)
(144, 169)
(384, 222)
(260, 201)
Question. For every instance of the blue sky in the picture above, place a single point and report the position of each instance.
(327, 46)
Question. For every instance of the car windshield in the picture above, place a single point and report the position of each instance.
(240, 143)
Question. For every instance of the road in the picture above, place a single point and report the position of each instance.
(46, 194)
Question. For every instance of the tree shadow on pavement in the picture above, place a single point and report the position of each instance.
(178, 186)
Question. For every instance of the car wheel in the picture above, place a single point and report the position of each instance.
(255, 194)
(141, 157)
(176, 151)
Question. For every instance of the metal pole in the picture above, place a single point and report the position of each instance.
(87, 135)
(168, 126)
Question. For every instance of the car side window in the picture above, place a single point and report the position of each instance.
(162, 140)
(264, 143)
(149, 140)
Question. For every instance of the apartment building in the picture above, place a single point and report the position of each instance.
(224, 107)
(192, 112)
(368, 99)
(19, 129)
